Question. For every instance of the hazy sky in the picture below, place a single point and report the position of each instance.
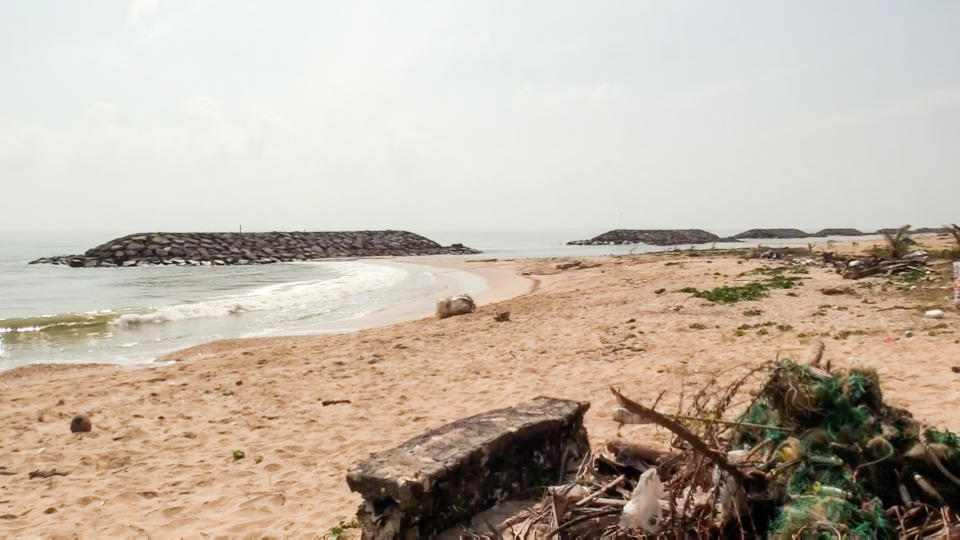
(176, 115)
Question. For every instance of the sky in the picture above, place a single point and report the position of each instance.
(175, 115)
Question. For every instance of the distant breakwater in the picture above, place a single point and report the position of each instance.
(205, 249)
(676, 237)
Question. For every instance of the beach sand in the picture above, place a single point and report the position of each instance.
(159, 460)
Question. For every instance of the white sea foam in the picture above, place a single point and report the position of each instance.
(319, 295)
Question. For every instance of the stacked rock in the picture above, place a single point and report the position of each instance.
(194, 249)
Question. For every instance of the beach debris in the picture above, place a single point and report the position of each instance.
(502, 315)
(47, 474)
(441, 477)
(934, 314)
(660, 291)
(568, 265)
(814, 354)
(642, 512)
(238, 455)
(80, 424)
(328, 402)
(813, 454)
(460, 304)
(833, 291)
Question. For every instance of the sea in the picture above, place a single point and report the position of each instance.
(133, 316)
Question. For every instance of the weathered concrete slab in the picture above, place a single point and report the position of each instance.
(441, 477)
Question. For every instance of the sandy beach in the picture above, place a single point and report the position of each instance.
(160, 459)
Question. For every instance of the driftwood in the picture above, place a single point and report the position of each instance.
(718, 458)
(870, 266)
(814, 354)
(47, 474)
(632, 454)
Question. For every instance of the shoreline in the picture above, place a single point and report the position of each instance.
(501, 282)
(487, 283)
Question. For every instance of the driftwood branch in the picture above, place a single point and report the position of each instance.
(814, 354)
(681, 431)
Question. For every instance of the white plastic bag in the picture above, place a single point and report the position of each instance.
(643, 512)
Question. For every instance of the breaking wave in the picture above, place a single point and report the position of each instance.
(315, 296)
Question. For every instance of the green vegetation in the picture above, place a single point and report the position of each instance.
(844, 334)
(761, 328)
(911, 276)
(697, 326)
(750, 291)
(238, 455)
(755, 312)
(340, 531)
(899, 244)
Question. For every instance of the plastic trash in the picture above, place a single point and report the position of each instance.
(643, 512)
(934, 314)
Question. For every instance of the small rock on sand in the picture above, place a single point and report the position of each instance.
(460, 304)
(80, 424)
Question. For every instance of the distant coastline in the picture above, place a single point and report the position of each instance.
(671, 237)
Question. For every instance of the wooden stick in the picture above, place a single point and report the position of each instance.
(603, 489)
(814, 354)
(581, 519)
(681, 431)
(623, 416)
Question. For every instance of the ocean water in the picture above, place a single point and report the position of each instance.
(56, 314)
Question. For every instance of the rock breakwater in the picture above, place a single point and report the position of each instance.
(204, 249)
(665, 237)
(772, 233)
(838, 232)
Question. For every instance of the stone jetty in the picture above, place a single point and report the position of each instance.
(205, 249)
(664, 237)
(838, 232)
(772, 233)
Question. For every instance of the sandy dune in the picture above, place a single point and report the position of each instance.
(159, 460)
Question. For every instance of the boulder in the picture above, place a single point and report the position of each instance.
(460, 304)
(444, 476)
(80, 424)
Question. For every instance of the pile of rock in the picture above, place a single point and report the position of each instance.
(195, 249)
(772, 233)
(838, 232)
(665, 237)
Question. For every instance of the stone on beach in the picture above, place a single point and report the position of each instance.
(460, 304)
(443, 476)
(81, 424)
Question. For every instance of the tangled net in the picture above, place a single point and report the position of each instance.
(815, 454)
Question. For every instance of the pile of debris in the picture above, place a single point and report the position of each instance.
(815, 454)
(860, 267)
